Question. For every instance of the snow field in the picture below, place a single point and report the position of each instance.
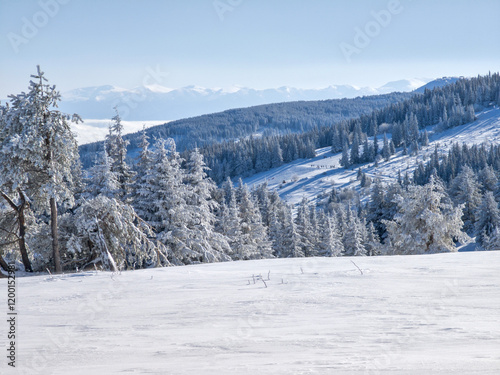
(431, 314)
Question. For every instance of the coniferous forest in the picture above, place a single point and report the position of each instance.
(160, 206)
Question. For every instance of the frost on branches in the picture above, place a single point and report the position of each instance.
(39, 153)
(109, 232)
(426, 223)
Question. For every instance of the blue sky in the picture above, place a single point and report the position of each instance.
(253, 43)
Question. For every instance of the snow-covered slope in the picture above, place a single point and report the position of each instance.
(431, 314)
(307, 178)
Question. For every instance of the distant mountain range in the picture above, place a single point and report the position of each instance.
(158, 103)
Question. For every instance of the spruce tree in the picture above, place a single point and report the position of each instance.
(117, 151)
(329, 239)
(141, 187)
(386, 151)
(345, 161)
(465, 190)
(487, 219)
(255, 243)
(39, 153)
(102, 180)
(425, 222)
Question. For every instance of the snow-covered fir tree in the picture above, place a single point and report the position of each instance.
(101, 179)
(116, 148)
(108, 232)
(488, 179)
(353, 235)
(465, 190)
(230, 225)
(290, 241)
(487, 219)
(345, 161)
(200, 234)
(329, 239)
(255, 243)
(141, 186)
(426, 222)
(372, 242)
(305, 229)
(39, 153)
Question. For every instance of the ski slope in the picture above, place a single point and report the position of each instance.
(309, 177)
(422, 314)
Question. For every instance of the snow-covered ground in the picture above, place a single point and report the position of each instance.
(427, 314)
(308, 177)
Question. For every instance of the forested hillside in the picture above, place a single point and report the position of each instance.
(269, 119)
(448, 106)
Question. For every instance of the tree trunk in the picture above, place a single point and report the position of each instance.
(55, 237)
(22, 228)
(22, 235)
(4, 265)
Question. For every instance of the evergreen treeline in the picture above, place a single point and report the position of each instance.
(269, 119)
(165, 209)
(448, 106)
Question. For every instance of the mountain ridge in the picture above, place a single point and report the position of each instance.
(155, 102)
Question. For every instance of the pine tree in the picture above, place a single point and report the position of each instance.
(376, 207)
(39, 153)
(386, 151)
(169, 215)
(304, 229)
(199, 232)
(353, 237)
(276, 229)
(368, 152)
(101, 179)
(425, 139)
(231, 226)
(493, 242)
(314, 236)
(290, 241)
(345, 161)
(375, 146)
(329, 240)
(487, 219)
(355, 151)
(255, 243)
(425, 223)
(392, 148)
(117, 151)
(372, 242)
(465, 190)
(141, 187)
(261, 193)
(276, 154)
(488, 179)
(336, 140)
(109, 232)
